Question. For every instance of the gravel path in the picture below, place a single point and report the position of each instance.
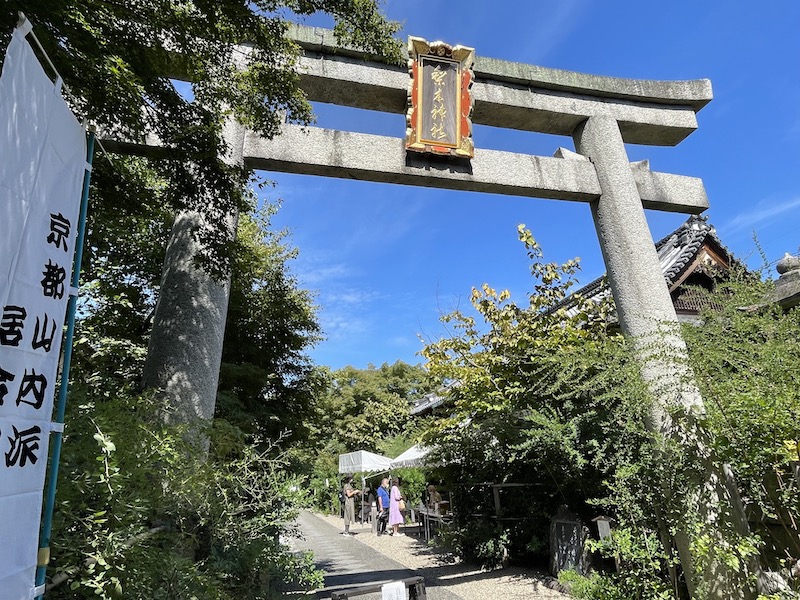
(369, 558)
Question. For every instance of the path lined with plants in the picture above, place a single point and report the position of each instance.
(368, 558)
(346, 562)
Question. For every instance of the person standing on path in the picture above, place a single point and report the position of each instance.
(383, 505)
(349, 504)
(395, 512)
(434, 498)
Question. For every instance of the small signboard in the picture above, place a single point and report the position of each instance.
(394, 590)
(440, 100)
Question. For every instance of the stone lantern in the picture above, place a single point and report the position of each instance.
(787, 288)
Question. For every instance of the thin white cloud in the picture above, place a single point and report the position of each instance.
(347, 312)
(762, 216)
(351, 297)
(554, 23)
(340, 326)
(314, 275)
(383, 225)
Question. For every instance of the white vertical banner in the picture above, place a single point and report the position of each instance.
(42, 163)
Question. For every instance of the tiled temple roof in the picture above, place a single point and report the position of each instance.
(428, 402)
(676, 252)
(433, 399)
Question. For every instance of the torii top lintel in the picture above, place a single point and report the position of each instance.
(505, 94)
(508, 94)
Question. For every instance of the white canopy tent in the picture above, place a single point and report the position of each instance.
(362, 461)
(416, 456)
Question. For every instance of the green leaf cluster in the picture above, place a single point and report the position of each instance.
(268, 383)
(121, 60)
(142, 513)
(140, 509)
(363, 409)
(746, 356)
(553, 398)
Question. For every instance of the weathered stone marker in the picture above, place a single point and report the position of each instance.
(568, 537)
(787, 288)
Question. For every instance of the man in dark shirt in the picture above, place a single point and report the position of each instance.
(383, 506)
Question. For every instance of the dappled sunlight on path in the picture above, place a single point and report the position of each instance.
(444, 571)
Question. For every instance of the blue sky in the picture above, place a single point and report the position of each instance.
(387, 261)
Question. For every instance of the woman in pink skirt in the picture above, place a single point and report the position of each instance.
(395, 516)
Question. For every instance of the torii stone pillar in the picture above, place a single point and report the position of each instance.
(647, 316)
(185, 348)
(642, 299)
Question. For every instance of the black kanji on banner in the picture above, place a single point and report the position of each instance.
(23, 446)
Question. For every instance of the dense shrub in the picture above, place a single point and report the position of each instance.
(481, 543)
(555, 398)
(144, 513)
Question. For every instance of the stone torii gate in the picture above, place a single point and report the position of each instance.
(601, 114)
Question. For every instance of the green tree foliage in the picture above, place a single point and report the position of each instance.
(123, 254)
(746, 356)
(360, 409)
(119, 60)
(141, 511)
(138, 508)
(364, 408)
(142, 514)
(267, 382)
(554, 399)
(532, 404)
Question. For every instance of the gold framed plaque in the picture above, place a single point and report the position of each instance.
(438, 120)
